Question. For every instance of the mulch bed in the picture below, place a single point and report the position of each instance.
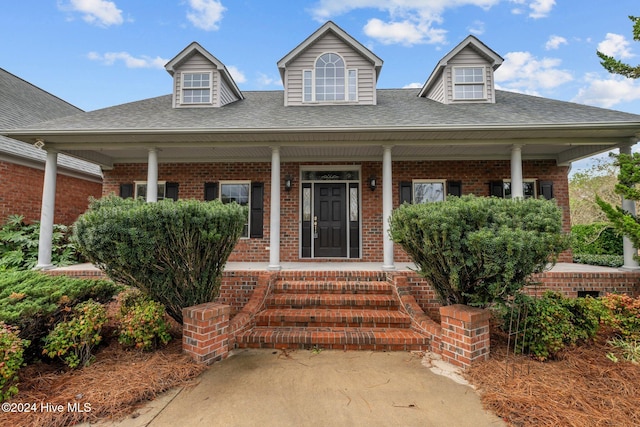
(115, 385)
(580, 388)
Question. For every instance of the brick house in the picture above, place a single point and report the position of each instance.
(22, 165)
(322, 163)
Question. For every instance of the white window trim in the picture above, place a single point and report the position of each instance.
(182, 88)
(454, 83)
(428, 181)
(532, 180)
(247, 182)
(160, 183)
(346, 83)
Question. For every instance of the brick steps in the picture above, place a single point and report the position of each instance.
(332, 313)
(334, 339)
(312, 317)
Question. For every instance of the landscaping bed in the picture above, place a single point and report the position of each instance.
(582, 387)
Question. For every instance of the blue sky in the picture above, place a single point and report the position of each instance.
(99, 53)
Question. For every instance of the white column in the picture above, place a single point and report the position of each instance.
(274, 225)
(47, 211)
(628, 250)
(152, 176)
(516, 172)
(387, 207)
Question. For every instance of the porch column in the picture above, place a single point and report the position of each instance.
(47, 211)
(152, 176)
(274, 225)
(387, 207)
(628, 250)
(516, 172)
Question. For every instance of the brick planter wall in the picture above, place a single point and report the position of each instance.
(205, 332)
(465, 334)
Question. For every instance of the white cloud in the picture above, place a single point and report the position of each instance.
(410, 21)
(615, 45)
(477, 28)
(205, 14)
(413, 86)
(265, 80)
(237, 75)
(99, 12)
(608, 92)
(522, 72)
(554, 42)
(129, 60)
(537, 8)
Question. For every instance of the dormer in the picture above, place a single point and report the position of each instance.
(464, 75)
(330, 67)
(201, 80)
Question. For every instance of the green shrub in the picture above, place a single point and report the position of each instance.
(552, 322)
(142, 323)
(476, 250)
(11, 359)
(599, 238)
(614, 261)
(34, 302)
(172, 251)
(19, 245)
(73, 341)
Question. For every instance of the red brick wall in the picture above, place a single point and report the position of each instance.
(21, 193)
(475, 177)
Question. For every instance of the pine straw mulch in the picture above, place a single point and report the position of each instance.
(115, 384)
(580, 388)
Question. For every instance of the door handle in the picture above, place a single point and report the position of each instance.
(315, 227)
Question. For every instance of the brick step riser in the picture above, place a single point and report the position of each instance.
(380, 288)
(345, 347)
(329, 302)
(334, 324)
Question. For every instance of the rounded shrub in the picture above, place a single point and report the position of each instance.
(142, 322)
(174, 252)
(599, 238)
(477, 250)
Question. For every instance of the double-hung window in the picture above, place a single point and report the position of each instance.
(141, 189)
(528, 188)
(469, 83)
(196, 88)
(329, 81)
(426, 191)
(239, 192)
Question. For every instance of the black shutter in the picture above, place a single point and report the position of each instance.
(210, 191)
(496, 188)
(454, 188)
(406, 192)
(171, 190)
(257, 209)
(546, 189)
(126, 190)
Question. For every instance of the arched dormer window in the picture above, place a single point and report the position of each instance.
(330, 81)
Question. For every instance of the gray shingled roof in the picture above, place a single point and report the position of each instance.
(22, 105)
(397, 108)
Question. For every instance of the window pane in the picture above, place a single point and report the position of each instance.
(307, 85)
(330, 78)
(353, 204)
(238, 193)
(469, 75)
(426, 192)
(469, 92)
(352, 85)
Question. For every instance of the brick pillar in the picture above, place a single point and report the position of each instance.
(205, 332)
(465, 334)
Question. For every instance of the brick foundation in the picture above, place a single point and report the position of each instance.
(465, 335)
(205, 332)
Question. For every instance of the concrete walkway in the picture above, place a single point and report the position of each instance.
(304, 388)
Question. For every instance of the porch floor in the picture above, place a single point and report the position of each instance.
(355, 266)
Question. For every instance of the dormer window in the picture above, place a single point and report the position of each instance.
(196, 88)
(469, 83)
(330, 80)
